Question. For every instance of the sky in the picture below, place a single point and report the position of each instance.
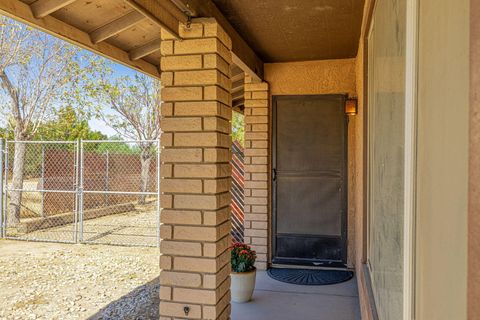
(99, 125)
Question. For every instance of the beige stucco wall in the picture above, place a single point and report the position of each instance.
(322, 77)
(474, 192)
(311, 77)
(443, 105)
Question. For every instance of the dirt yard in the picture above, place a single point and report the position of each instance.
(68, 281)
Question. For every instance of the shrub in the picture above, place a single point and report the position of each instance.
(243, 257)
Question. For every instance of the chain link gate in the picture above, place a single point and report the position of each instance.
(81, 191)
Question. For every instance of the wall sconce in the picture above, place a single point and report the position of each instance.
(351, 108)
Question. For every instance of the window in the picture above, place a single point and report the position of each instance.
(386, 156)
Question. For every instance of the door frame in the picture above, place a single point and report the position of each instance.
(273, 202)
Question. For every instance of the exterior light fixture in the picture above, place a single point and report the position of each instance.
(351, 107)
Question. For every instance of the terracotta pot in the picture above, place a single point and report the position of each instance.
(242, 285)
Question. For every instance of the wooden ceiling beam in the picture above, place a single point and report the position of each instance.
(145, 50)
(236, 89)
(238, 83)
(174, 10)
(239, 95)
(238, 77)
(158, 14)
(243, 56)
(115, 27)
(42, 8)
(234, 69)
(256, 77)
(18, 10)
(238, 105)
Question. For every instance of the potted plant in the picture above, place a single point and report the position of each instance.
(243, 272)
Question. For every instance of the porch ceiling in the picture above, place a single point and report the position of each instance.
(120, 30)
(297, 30)
(128, 31)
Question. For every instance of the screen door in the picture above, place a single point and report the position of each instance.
(309, 180)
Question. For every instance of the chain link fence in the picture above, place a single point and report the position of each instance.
(81, 191)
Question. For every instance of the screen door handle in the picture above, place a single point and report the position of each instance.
(274, 174)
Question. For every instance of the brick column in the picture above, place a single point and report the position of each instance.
(195, 173)
(257, 209)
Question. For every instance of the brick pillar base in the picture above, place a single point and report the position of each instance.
(257, 211)
(195, 172)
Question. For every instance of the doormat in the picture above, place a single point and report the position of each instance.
(309, 277)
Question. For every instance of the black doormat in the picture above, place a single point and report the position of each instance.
(309, 277)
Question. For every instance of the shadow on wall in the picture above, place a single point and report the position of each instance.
(139, 304)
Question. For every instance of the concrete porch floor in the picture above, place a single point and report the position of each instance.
(281, 301)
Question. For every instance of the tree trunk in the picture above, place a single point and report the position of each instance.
(145, 159)
(13, 217)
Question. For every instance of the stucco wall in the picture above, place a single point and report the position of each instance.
(474, 192)
(311, 77)
(322, 77)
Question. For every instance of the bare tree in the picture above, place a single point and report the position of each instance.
(136, 105)
(35, 72)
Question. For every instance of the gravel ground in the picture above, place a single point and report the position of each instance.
(66, 281)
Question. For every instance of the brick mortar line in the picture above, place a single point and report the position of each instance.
(226, 90)
(194, 147)
(201, 38)
(180, 102)
(194, 194)
(203, 273)
(201, 68)
(195, 178)
(198, 38)
(194, 257)
(203, 131)
(204, 85)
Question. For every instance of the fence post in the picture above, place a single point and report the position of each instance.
(43, 181)
(158, 192)
(80, 193)
(107, 178)
(76, 153)
(5, 187)
(2, 154)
